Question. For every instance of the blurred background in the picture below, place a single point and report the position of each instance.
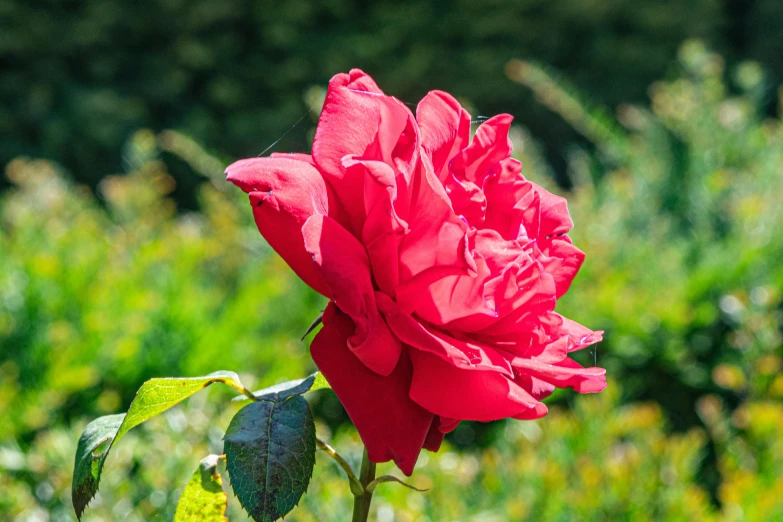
(124, 254)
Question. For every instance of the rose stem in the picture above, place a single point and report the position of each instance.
(356, 487)
(361, 503)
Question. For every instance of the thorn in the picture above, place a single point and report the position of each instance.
(313, 325)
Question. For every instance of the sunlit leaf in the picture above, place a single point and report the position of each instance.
(90, 454)
(282, 391)
(203, 499)
(320, 382)
(270, 454)
(153, 398)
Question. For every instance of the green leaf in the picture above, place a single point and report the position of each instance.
(154, 397)
(270, 454)
(90, 454)
(203, 499)
(282, 391)
(320, 382)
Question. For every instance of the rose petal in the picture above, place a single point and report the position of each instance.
(284, 193)
(359, 80)
(445, 129)
(498, 252)
(348, 123)
(345, 269)
(448, 425)
(437, 237)
(490, 145)
(562, 259)
(383, 229)
(359, 120)
(467, 200)
(553, 352)
(512, 203)
(522, 296)
(524, 303)
(446, 390)
(536, 412)
(434, 435)
(579, 336)
(398, 139)
(536, 387)
(440, 296)
(391, 425)
(504, 283)
(298, 156)
(555, 219)
(462, 354)
(566, 374)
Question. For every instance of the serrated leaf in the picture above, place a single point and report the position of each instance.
(98, 435)
(270, 454)
(153, 398)
(282, 391)
(203, 499)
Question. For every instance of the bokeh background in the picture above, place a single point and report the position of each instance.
(124, 255)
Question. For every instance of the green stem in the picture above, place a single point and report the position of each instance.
(356, 487)
(361, 503)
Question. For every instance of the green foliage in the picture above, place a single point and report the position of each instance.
(680, 228)
(93, 448)
(203, 499)
(99, 296)
(679, 213)
(79, 79)
(269, 446)
(284, 390)
(270, 454)
(601, 460)
(153, 398)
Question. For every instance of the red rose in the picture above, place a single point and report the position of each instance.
(442, 264)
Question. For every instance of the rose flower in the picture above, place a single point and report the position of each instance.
(441, 262)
